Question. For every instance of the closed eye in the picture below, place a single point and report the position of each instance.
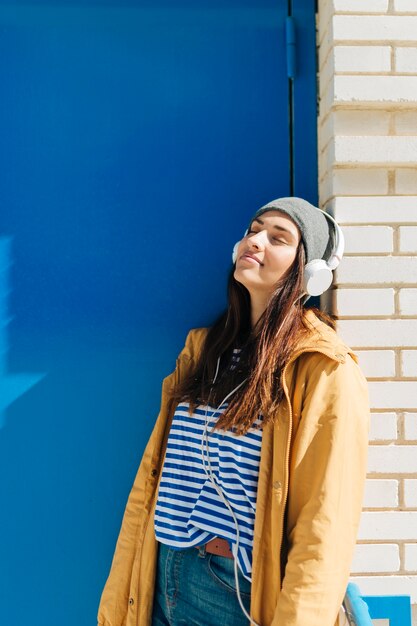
(273, 238)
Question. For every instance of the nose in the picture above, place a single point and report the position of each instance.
(257, 240)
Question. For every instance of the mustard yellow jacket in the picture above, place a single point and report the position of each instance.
(310, 488)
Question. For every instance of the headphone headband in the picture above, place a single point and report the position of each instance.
(339, 245)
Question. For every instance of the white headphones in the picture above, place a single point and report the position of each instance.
(317, 272)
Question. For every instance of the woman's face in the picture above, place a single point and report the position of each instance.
(267, 252)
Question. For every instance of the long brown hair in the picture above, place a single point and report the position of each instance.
(264, 351)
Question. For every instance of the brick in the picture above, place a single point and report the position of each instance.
(410, 426)
(387, 586)
(394, 270)
(394, 395)
(377, 363)
(410, 492)
(327, 99)
(380, 557)
(326, 159)
(408, 6)
(374, 28)
(406, 60)
(379, 89)
(369, 239)
(374, 210)
(408, 238)
(361, 6)
(410, 557)
(325, 35)
(388, 525)
(361, 122)
(405, 122)
(326, 132)
(383, 427)
(351, 302)
(409, 363)
(380, 493)
(325, 187)
(346, 181)
(378, 333)
(362, 58)
(408, 301)
(376, 150)
(326, 73)
(406, 180)
(392, 458)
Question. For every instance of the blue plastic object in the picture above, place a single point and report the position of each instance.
(361, 610)
(395, 608)
(356, 609)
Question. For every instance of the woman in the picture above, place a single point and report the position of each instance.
(246, 504)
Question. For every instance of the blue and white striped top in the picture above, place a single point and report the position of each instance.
(189, 510)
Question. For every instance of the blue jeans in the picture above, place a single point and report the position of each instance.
(196, 588)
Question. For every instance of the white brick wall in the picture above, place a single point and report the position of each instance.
(362, 181)
(406, 60)
(395, 270)
(405, 122)
(383, 426)
(377, 557)
(362, 58)
(353, 302)
(406, 181)
(360, 122)
(378, 333)
(381, 493)
(410, 425)
(361, 6)
(379, 239)
(385, 525)
(410, 560)
(377, 363)
(380, 151)
(409, 6)
(378, 28)
(374, 210)
(408, 301)
(367, 152)
(392, 459)
(410, 493)
(408, 238)
(409, 363)
(384, 89)
(393, 395)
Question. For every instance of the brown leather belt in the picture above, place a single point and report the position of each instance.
(218, 546)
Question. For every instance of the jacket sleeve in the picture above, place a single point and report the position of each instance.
(328, 462)
(114, 598)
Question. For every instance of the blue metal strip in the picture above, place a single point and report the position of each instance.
(290, 43)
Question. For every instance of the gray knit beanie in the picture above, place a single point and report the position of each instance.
(314, 227)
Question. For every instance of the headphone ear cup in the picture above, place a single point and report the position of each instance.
(317, 277)
(234, 253)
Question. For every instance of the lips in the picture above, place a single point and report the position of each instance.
(251, 257)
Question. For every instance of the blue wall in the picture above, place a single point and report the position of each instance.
(137, 140)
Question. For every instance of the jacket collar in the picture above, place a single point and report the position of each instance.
(322, 339)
